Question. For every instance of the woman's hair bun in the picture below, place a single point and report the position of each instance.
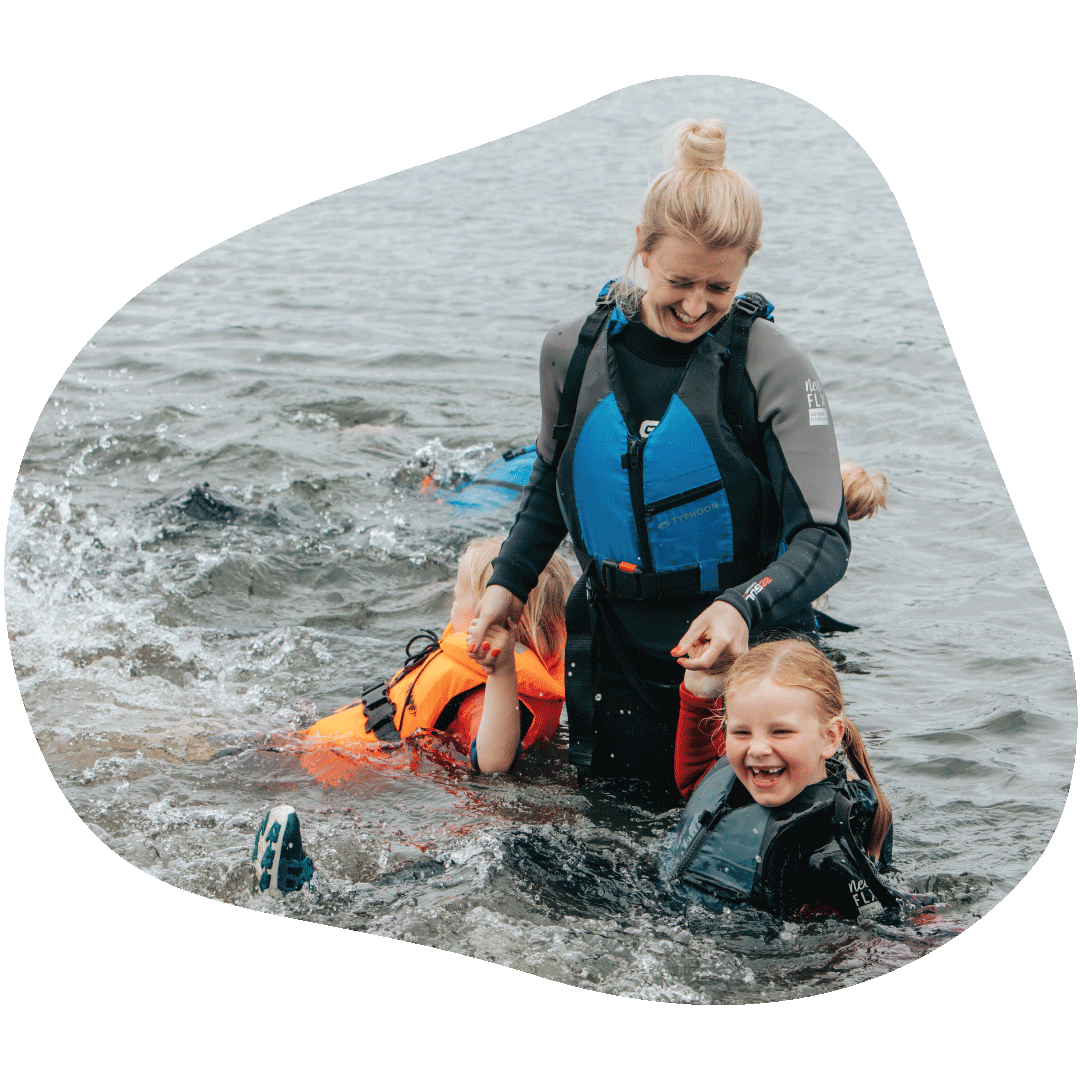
(698, 144)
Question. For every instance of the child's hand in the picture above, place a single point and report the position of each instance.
(500, 655)
(704, 684)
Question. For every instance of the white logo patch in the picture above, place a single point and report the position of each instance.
(815, 401)
(647, 427)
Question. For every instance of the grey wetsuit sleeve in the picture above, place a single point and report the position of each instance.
(797, 432)
(539, 528)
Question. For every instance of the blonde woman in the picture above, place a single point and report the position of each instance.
(687, 446)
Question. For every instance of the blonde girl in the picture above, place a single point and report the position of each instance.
(797, 666)
(775, 815)
(493, 711)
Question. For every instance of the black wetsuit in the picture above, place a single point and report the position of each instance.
(797, 451)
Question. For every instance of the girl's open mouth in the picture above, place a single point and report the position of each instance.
(767, 777)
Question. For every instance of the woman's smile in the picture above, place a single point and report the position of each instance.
(691, 287)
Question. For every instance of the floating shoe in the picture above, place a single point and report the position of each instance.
(278, 858)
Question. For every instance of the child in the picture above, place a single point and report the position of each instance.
(779, 822)
(493, 716)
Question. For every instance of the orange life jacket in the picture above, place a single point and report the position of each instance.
(420, 695)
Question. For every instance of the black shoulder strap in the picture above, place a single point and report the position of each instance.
(737, 404)
(594, 324)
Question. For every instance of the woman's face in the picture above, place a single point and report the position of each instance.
(690, 287)
(777, 742)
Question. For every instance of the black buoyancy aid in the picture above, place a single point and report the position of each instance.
(809, 850)
(654, 514)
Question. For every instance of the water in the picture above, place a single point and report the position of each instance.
(298, 367)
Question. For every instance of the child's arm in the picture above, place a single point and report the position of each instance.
(699, 740)
(499, 736)
(703, 684)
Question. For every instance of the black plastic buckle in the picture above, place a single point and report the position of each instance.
(379, 711)
(590, 589)
(628, 584)
(749, 304)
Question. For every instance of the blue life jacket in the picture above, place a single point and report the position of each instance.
(653, 513)
(810, 850)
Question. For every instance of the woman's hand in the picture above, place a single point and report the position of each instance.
(716, 637)
(498, 607)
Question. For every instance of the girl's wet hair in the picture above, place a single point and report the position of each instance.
(697, 198)
(795, 663)
(864, 493)
(542, 627)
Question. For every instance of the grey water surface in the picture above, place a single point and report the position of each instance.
(315, 369)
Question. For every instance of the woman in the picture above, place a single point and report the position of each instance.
(687, 447)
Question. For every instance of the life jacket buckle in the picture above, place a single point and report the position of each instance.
(748, 304)
(627, 581)
(379, 712)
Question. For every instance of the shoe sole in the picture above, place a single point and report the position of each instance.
(278, 837)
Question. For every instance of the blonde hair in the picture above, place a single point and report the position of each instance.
(542, 626)
(795, 663)
(864, 493)
(698, 198)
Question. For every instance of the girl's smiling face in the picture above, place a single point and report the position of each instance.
(778, 741)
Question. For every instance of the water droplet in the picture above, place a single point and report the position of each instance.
(597, 697)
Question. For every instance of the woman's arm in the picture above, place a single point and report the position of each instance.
(795, 425)
(797, 433)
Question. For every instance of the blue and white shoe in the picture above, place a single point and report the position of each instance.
(278, 861)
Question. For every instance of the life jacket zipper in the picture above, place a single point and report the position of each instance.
(652, 509)
(707, 822)
(633, 462)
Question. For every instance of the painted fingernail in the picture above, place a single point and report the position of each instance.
(676, 651)
(486, 646)
(470, 647)
(494, 653)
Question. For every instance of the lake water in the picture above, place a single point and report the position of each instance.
(299, 367)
